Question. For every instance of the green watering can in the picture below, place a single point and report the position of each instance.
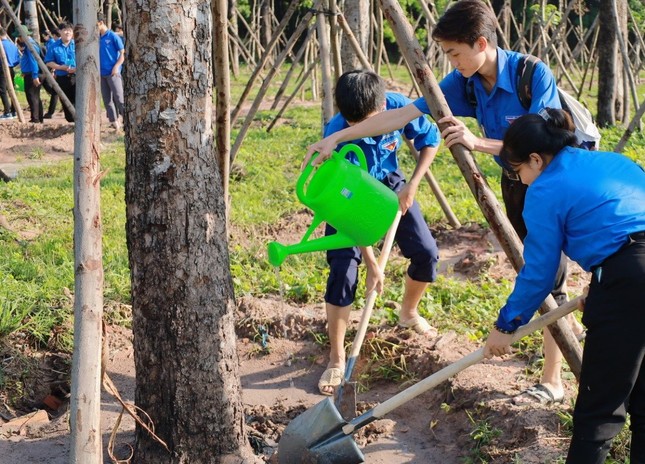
(347, 197)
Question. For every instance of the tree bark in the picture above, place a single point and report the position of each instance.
(607, 56)
(182, 292)
(357, 14)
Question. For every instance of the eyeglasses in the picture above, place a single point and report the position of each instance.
(512, 175)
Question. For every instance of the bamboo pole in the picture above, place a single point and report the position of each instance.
(630, 129)
(325, 65)
(486, 199)
(349, 35)
(85, 418)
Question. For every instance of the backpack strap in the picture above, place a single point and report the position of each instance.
(469, 87)
(525, 71)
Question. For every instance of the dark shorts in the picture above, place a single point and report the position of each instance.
(413, 238)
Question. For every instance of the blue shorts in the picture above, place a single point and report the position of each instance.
(413, 238)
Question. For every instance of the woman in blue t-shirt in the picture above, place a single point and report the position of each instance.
(591, 206)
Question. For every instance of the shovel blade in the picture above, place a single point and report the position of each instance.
(315, 437)
(346, 400)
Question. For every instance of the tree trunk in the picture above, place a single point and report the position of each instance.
(31, 18)
(235, 49)
(607, 54)
(182, 292)
(357, 14)
(85, 418)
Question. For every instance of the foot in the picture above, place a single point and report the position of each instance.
(330, 380)
(419, 325)
(540, 393)
(48, 116)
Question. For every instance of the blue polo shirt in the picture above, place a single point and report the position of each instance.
(63, 55)
(583, 203)
(11, 51)
(28, 63)
(496, 110)
(110, 47)
(380, 151)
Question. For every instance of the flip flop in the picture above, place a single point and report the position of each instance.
(538, 393)
(332, 377)
(419, 325)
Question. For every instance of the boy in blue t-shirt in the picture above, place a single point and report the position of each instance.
(111, 57)
(360, 95)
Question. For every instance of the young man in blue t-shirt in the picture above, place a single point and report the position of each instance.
(61, 58)
(359, 96)
(111, 54)
(467, 34)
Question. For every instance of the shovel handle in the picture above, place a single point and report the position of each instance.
(453, 369)
(371, 298)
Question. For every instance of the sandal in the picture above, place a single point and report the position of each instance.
(537, 393)
(419, 325)
(332, 377)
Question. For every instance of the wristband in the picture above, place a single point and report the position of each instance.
(504, 331)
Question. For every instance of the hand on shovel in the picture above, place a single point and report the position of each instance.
(497, 344)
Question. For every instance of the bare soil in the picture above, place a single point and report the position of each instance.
(279, 372)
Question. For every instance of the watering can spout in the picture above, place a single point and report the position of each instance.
(279, 252)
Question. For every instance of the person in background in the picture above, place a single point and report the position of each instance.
(591, 206)
(48, 40)
(111, 57)
(30, 74)
(360, 95)
(467, 33)
(61, 57)
(118, 30)
(13, 58)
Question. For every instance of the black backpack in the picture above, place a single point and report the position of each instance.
(586, 130)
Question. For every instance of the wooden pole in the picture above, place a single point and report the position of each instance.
(630, 129)
(486, 199)
(294, 64)
(85, 418)
(325, 64)
(223, 95)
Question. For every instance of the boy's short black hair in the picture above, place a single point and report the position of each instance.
(359, 93)
(465, 22)
(100, 18)
(65, 25)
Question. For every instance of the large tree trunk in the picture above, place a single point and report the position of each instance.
(607, 56)
(182, 292)
(357, 14)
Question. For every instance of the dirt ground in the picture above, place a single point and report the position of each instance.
(279, 378)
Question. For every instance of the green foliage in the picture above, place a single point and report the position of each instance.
(483, 434)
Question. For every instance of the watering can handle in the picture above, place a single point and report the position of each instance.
(340, 155)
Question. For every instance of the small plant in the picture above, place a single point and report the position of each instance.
(483, 435)
(37, 153)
